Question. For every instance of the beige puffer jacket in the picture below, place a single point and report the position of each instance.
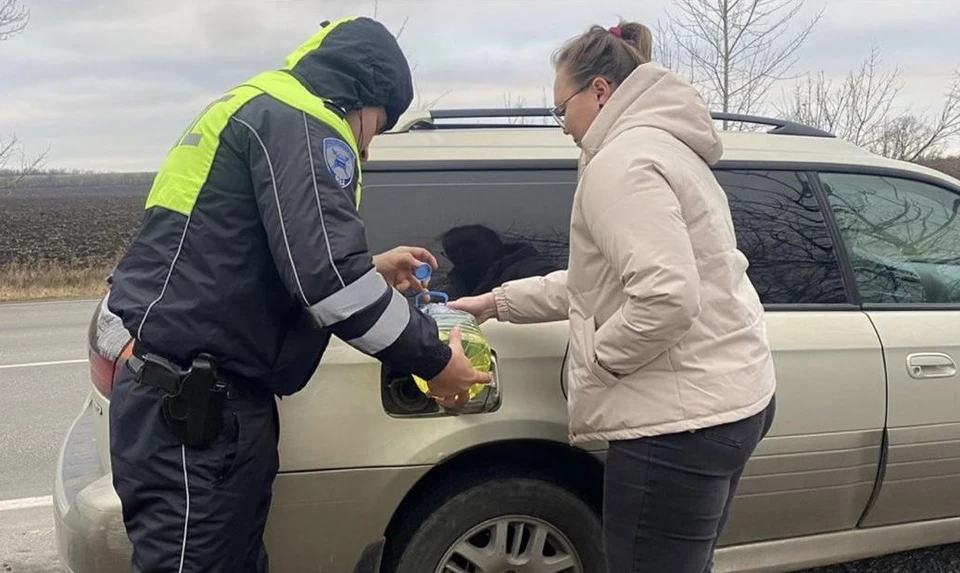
(666, 330)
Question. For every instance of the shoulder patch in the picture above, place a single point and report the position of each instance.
(340, 160)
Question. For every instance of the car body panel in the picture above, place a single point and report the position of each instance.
(100, 415)
(824, 478)
(536, 143)
(321, 521)
(922, 477)
(88, 524)
(319, 427)
(818, 464)
(342, 510)
(786, 555)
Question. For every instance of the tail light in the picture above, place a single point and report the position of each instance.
(109, 346)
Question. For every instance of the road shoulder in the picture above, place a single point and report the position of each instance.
(27, 543)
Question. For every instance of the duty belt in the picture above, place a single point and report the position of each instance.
(193, 398)
(235, 389)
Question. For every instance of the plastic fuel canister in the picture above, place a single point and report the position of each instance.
(475, 344)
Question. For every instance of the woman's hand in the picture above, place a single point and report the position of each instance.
(397, 266)
(483, 307)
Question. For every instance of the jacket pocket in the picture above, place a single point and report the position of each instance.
(589, 357)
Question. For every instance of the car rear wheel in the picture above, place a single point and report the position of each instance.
(507, 525)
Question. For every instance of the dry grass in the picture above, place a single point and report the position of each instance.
(52, 280)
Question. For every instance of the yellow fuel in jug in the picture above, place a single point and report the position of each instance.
(475, 344)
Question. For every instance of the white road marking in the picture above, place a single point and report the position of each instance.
(26, 503)
(39, 364)
(47, 302)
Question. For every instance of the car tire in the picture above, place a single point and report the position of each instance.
(520, 506)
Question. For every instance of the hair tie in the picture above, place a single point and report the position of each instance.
(616, 31)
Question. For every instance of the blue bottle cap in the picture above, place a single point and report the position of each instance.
(423, 272)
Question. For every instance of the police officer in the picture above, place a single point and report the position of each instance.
(250, 256)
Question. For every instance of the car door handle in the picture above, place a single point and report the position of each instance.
(925, 365)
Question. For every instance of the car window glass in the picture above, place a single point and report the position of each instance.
(902, 237)
(484, 227)
(781, 230)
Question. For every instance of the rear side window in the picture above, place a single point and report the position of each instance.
(902, 237)
(781, 230)
(485, 227)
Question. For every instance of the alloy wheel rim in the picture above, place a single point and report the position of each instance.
(511, 544)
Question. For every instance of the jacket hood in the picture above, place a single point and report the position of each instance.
(653, 96)
(355, 62)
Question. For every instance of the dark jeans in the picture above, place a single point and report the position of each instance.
(666, 498)
(187, 509)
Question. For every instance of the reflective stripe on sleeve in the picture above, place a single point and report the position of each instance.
(351, 299)
(387, 329)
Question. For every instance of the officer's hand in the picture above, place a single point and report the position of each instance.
(397, 266)
(483, 307)
(451, 386)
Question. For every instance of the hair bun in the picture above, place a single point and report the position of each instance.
(638, 35)
(611, 52)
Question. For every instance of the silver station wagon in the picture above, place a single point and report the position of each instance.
(856, 257)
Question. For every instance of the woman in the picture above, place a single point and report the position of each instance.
(668, 358)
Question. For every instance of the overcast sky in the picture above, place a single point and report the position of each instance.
(108, 84)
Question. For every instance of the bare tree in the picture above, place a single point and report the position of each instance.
(418, 101)
(14, 164)
(948, 165)
(520, 102)
(665, 48)
(856, 110)
(546, 104)
(863, 109)
(13, 20)
(734, 50)
(420, 104)
(403, 25)
(915, 137)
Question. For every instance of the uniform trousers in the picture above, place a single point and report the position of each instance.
(193, 509)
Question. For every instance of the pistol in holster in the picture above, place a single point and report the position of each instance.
(193, 399)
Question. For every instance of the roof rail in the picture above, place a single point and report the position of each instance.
(781, 126)
(426, 120)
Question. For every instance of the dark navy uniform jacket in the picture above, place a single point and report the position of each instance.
(251, 246)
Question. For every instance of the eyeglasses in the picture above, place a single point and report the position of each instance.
(560, 110)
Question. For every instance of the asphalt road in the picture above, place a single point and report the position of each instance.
(43, 380)
(26, 541)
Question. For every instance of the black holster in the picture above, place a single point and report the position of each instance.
(193, 400)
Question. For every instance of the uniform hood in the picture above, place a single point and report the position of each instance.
(653, 96)
(355, 62)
